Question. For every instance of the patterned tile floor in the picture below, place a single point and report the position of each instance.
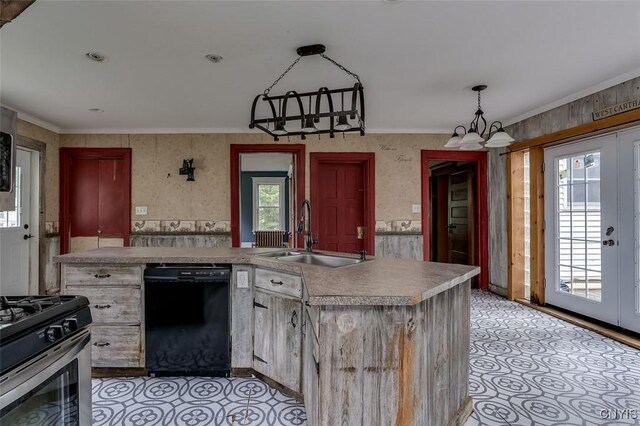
(527, 368)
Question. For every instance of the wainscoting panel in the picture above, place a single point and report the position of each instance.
(188, 241)
(399, 246)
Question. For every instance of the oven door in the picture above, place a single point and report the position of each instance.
(54, 388)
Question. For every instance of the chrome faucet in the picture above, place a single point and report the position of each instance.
(308, 239)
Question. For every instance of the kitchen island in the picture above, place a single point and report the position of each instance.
(382, 342)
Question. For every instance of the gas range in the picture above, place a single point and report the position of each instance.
(30, 325)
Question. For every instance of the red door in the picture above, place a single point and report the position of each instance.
(340, 206)
(95, 195)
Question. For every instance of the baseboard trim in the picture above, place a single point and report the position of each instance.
(603, 330)
(109, 372)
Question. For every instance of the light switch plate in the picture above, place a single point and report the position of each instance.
(415, 208)
(141, 210)
(242, 278)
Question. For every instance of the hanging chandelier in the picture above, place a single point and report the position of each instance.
(471, 139)
(324, 114)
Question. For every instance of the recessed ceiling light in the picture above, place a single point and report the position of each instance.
(96, 56)
(212, 57)
(96, 110)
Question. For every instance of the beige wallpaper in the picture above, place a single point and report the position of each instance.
(167, 195)
(52, 140)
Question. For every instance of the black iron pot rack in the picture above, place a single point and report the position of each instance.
(279, 116)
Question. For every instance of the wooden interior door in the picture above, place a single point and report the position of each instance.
(340, 206)
(461, 217)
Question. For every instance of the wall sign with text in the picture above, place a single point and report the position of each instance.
(616, 109)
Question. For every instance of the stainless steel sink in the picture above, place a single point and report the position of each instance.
(280, 253)
(316, 259)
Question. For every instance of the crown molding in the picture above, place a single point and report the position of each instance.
(34, 120)
(229, 130)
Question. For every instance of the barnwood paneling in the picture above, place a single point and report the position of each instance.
(395, 365)
(10, 9)
(241, 317)
(310, 387)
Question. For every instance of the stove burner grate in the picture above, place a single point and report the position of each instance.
(14, 309)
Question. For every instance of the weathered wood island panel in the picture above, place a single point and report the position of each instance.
(395, 365)
(384, 342)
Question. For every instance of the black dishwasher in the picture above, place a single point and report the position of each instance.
(187, 320)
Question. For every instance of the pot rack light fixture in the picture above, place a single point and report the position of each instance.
(471, 139)
(324, 114)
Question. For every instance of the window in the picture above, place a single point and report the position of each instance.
(268, 204)
(12, 219)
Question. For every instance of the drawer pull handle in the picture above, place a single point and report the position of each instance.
(101, 276)
(294, 319)
(102, 306)
(274, 282)
(101, 344)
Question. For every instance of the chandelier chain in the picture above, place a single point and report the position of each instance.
(352, 74)
(479, 99)
(267, 90)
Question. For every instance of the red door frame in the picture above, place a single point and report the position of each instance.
(299, 150)
(481, 214)
(66, 154)
(368, 159)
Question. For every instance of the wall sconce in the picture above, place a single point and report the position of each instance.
(188, 169)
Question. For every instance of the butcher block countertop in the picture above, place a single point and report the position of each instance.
(378, 281)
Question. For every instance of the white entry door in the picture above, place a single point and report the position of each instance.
(14, 227)
(581, 233)
(629, 201)
(592, 234)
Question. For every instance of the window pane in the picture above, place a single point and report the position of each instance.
(11, 219)
(268, 195)
(268, 218)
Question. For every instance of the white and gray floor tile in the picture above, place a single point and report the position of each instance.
(527, 368)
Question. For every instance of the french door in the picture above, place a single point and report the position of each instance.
(592, 228)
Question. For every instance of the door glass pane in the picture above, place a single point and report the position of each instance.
(578, 219)
(13, 218)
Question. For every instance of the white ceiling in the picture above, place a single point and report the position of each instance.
(417, 60)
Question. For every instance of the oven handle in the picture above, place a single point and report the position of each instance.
(21, 380)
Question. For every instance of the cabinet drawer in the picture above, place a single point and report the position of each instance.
(278, 282)
(97, 274)
(116, 346)
(111, 305)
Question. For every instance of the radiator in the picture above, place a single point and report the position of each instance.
(268, 238)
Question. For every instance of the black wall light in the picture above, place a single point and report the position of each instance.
(320, 120)
(188, 169)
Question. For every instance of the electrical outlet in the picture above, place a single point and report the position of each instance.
(141, 210)
(415, 208)
(242, 278)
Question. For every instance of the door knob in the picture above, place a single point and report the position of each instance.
(608, 243)
(26, 237)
